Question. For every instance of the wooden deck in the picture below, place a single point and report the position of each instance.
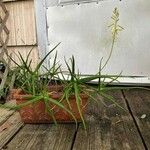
(109, 128)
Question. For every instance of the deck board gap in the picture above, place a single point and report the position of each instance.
(134, 120)
(5, 146)
(74, 138)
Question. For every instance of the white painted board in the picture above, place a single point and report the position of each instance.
(83, 32)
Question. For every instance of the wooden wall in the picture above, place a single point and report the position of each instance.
(21, 24)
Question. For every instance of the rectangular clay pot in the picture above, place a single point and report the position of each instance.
(36, 113)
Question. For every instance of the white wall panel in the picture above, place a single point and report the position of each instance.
(83, 32)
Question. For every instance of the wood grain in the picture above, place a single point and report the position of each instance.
(109, 128)
(10, 127)
(9, 0)
(139, 103)
(44, 137)
(21, 23)
(24, 50)
(5, 113)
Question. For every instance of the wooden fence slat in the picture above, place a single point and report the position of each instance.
(109, 129)
(44, 137)
(139, 102)
(21, 23)
(24, 50)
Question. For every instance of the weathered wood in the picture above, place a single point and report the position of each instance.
(3, 43)
(109, 128)
(5, 113)
(9, 0)
(139, 103)
(9, 128)
(21, 140)
(21, 23)
(24, 50)
(44, 137)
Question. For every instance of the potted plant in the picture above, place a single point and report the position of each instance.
(44, 98)
(35, 95)
(47, 96)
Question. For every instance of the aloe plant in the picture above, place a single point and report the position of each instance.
(35, 83)
(30, 81)
(77, 85)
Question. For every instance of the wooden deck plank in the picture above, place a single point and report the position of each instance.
(21, 140)
(109, 129)
(5, 113)
(139, 103)
(9, 128)
(44, 137)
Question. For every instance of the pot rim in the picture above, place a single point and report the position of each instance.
(18, 95)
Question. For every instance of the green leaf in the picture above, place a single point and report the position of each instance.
(25, 64)
(30, 101)
(60, 105)
(41, 62)
(78, 102)
(110, 98)
(49, 111)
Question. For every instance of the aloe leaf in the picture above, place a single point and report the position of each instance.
(57, 103)
(49, 111)
(110, 98)
(88, 79)
(14, 61)
(28, 55)
(92, 97)
(114, 79)
(41, 62)
(54, 63)
(69, 69)
(36, 99)
(73, 65)
(30, 62)
(25, 64)
(67, 95)
(78, 102)
(99, 79)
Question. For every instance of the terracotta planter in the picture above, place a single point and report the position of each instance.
(10, 96)
(36, 113)
(56, 88)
